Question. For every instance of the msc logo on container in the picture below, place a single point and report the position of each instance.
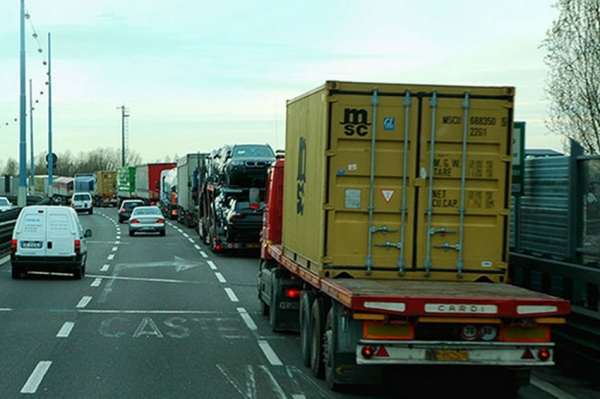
(301, 176)
(356, 121)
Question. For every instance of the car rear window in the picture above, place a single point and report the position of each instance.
(81, 197)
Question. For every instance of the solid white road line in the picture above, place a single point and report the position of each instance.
(269, 353)
(84, 302)
(247, 319)
(231, 295)
(36, 377)
(5, 259)
(65, 329)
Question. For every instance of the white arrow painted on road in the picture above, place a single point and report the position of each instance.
(179, 263)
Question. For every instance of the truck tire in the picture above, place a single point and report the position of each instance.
(306, 301)
(316, 343)
(329, 346)
(264, 307)
(274, 311)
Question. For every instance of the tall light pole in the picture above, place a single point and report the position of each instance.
(32, 164)
(22, 196)
(124, 115)
(51, 157)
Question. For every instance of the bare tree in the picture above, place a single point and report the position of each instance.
(11, 168)
(573, 85)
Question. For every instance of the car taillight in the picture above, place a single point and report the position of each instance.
(236, 216)
(254, 206)
(122, 210)
(134, 221)
(13, 246)
(77, 247)
(160, 221)
(72, 205)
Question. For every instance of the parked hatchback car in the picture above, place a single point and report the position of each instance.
(48, 239)
(126, 207)
(82, 202)
(146, 219)
(5, 204)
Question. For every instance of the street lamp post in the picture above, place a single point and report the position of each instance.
(124, 115)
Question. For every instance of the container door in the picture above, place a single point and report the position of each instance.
(463, 208)
(371, 184)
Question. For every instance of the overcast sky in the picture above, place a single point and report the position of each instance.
(198, 74)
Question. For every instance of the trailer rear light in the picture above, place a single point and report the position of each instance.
(525, 334)
(254, 206)
(544, 354)
(292, 293)
(237, 216)
(13, 246)
(367, 351)
(77, 247)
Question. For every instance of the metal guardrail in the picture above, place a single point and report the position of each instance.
(7, 223)
(9, 218)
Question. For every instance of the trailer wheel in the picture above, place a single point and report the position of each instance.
(329, 345)
(316, 342)
(264, 308)
(306, 301)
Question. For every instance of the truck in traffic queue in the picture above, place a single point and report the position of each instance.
(385, 240)
(84, 183)
(168, 193)
(230, 214)
(125, 183)
(147, 181)
(190, 170)
(105, 193)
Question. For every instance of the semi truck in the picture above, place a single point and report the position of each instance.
(84, 183)
(168, 193)
(147, 181)
(190, 170)
(125, 183)
(105, 193)
(385, 239)
(230, 196)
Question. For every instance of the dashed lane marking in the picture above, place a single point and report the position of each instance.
(36, 377)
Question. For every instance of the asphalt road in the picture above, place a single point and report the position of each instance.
(162, 317)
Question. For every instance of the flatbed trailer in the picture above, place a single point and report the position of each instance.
(372, 322)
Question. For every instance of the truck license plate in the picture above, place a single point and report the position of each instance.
(447, 355)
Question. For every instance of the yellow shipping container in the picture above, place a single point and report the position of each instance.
(399, 181)
(106, 183)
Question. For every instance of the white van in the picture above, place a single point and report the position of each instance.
(48, 239)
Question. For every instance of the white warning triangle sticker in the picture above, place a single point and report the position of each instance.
(387, 195)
